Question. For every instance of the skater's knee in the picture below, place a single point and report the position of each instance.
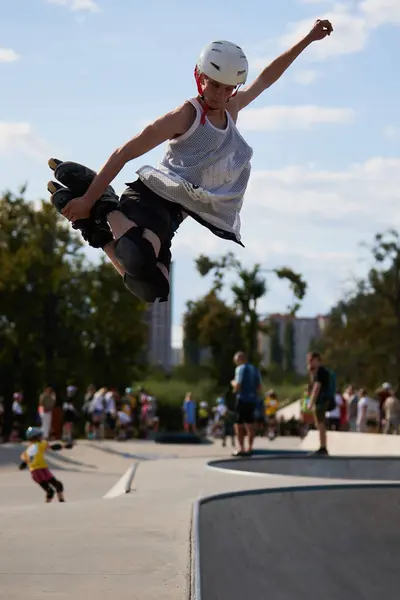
(164, 256)
(155, 217)
(57, 484)
(135, 252)
(49, 493)
(149, 287)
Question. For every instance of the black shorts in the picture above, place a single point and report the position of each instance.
(69, 416)
(154, 207)
(245, 412)
(140, 203)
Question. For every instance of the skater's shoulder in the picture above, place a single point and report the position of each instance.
(174, 123)
(185, 115)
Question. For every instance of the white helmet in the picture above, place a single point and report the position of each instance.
(224, 62)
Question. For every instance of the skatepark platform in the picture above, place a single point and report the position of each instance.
(298, 543)
(367, 468)
(140, 545)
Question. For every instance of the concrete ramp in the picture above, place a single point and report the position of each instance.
(357, 444)
(350, 467)
(333, 543)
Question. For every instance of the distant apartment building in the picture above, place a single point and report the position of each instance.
(177, 356)
(305, 330)
(159, 342)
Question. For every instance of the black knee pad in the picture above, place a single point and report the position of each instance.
(149, 287)
(164, 256)
(134, 252)
(58, 486)
(49, 493)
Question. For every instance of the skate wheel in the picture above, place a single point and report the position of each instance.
(53, 163)
(53, 187)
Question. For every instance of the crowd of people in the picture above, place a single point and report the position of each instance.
(99, 413)
(359, 411)
(104, 412)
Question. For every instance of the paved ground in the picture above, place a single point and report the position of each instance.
(326, 544)
(360, 468)
(135, 546)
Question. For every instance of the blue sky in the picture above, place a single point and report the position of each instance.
(80, 77)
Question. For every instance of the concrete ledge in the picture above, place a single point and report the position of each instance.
(357, 444)
(366, 468)
(124, 484)
(234, 550)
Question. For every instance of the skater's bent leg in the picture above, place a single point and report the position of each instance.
(153, 239)
(45, 485)
(147, 288)
(164, 270)
(120, 225)
(134, 251)
(110, 251)
(152, 284)
(58, 486)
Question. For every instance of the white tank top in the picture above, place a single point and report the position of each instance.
(206, 171)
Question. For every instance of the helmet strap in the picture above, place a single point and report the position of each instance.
(206, 108)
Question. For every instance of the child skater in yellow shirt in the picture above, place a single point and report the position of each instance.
(34, 458)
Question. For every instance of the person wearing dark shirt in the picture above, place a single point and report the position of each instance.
(320, 398)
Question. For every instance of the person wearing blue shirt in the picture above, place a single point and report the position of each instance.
(189, 413)
(246, 386)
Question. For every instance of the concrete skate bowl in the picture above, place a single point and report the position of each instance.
(367, 468)
(337, 542)
(10, 454)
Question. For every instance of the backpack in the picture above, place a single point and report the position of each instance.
(331, 392)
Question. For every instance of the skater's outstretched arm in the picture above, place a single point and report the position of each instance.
(169, 126)
(276, 69)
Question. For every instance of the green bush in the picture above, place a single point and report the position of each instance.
(170, 394)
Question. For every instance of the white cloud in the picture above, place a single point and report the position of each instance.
(369, 191)
(381, 12)
(312, 220)
(305, 76)
(75, 5)
(22, 138)
(274, 118)
(353, 25)
(391, 132)
(8, 55)
(350, 35)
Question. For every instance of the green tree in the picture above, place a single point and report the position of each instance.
(210, 323)
(249, 289)
(62, 318)
(361, 339)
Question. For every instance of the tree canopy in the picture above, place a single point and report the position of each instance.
(62, 318)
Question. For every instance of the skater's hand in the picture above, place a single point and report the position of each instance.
(320, 30)
(78, 208)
